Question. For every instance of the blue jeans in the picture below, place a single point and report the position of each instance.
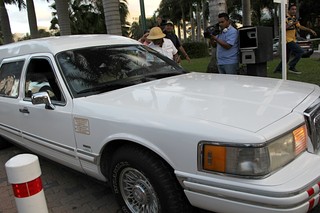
(228, 68)
(295, 49)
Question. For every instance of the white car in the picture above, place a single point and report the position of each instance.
(165, 139)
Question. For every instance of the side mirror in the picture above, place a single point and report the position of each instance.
(42, 98)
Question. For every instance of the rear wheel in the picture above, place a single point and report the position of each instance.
(143, 183)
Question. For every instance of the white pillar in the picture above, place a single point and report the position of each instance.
(23, 173)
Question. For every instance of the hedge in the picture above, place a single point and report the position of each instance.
(196, 49)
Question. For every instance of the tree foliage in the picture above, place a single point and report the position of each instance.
(4, 19)
(42, 33)
(87, 17)
(136, 31)
(309, 11)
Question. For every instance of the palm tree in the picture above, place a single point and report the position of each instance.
(246, 10)
(5, 24)
(124, 12)
(215, 7)
(4, 18)
(112, 16)
(32, 19)
(88, 17)
(62, 7)
(183, 16)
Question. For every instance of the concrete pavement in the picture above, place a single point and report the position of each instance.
(65, 190)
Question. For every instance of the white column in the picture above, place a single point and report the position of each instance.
(24, 173)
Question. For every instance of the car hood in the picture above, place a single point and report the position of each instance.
(249, 103)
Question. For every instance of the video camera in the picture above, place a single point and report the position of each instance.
(212, 30)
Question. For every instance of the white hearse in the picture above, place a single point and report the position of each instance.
(165, 139)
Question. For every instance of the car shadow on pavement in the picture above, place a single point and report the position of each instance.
(65, 190)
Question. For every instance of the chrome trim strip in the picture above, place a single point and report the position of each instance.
(250, 198)
(13, 130)
(83, 155)
(183, 177)
(311, 115)
(54, 144)
(86, 156)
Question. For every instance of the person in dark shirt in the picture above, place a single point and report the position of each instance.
(169, 31)
(161, 22)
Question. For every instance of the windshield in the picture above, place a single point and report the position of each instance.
(95, 70)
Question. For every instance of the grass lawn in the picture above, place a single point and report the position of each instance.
(310, 68)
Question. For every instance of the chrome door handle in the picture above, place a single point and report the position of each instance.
(24, 110)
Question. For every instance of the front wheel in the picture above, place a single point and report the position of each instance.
(143, 183)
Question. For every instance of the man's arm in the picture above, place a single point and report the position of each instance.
(143, 38)
(307, 29)
(179, 46)
(184, 53)
(221, 42)
(298, 25)
(231, 39)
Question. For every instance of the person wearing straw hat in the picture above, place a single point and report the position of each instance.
(162, 44)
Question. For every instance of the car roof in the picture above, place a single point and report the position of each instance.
(57, 44)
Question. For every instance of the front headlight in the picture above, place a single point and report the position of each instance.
(248, 160)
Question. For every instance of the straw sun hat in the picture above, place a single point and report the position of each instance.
(155, 33)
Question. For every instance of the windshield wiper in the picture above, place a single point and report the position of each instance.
(163, 74)
(106, 87)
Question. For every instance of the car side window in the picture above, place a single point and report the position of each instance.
(10, 74)
(40, 78)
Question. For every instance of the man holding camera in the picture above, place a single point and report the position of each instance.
(227, 42)
(292, 24)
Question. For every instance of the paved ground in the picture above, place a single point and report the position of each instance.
(316, 54)
(66, 191)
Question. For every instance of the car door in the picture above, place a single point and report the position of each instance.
(47, 131)
(10, 75)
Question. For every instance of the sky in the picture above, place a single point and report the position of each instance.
(19, 19)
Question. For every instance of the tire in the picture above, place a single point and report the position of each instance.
(144, 183)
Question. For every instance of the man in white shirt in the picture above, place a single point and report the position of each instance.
(162, 45)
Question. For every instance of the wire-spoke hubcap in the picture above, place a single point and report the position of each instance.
(137, 192)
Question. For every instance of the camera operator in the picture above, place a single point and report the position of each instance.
(292, 24)
(227, 42)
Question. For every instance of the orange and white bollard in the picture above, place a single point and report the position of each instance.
(23, 173)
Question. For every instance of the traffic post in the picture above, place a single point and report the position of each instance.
(23, 172)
